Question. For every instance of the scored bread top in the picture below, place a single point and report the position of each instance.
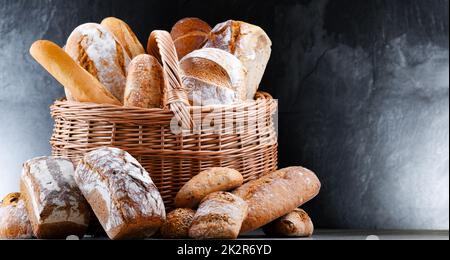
(277, 194)
(124, 187)
(97, 50)
(249, 43)
(124, 35)
(52, 193)
(196, 62)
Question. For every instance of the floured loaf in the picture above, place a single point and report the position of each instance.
(249, 43)
(121, 194)
(97, 50)
(14, 222)
(56, 208)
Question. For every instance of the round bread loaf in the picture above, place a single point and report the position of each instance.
(14, 222)
(145, 83)
(189, 34)
(177, 224)
(96, 50)
(205, 183)
(197, 62)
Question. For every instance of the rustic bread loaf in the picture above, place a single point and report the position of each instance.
(177, 224)
(145, 83)
(124, 35)
(121, 194)
(235, 70)
(276, 195)
(205, 183)
(219, 216)
(14, 222)
(189, 34)
(56, 208)
(207, 82)
(96, 50)
(294, 224)
(249, 43)
(81, 85)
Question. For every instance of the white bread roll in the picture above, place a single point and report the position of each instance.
(249, 43)
(97, 50)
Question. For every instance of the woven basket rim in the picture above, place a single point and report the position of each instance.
(260, 96)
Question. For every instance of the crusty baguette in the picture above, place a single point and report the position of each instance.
(276, 195)
(124, 35)
(205, 183)
(83, 86)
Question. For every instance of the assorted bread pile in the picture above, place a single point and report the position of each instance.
(58, 199)
(106, 64)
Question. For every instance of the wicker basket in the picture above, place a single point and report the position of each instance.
(172, 159)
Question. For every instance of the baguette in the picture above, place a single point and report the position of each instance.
(276, 195)
(83, 86)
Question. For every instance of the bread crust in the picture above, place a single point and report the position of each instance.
(124, 35)
(219, 216)
(249, 43)
(177, 224)
(55, 206)
(97, 50)
(145, 83)
(276, 195)
(205, 183)
(121, 194)
(294, 224)
(82, 86)
(14, 222)
(189, 34)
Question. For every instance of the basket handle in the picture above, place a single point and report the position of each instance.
(161, 45)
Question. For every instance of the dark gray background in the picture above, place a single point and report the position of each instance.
(363, 89)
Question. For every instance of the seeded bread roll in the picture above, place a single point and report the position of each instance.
(177, 224)
(96, 50)
(121, 194)
(294, 224)
(14, 222)
(249, 43)
(124, 35)
(55, 206)
(219, 216)
(145, 83)
(189, 34)
(276, 195)
(205, 183)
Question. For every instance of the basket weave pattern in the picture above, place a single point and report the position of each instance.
(172, 159)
